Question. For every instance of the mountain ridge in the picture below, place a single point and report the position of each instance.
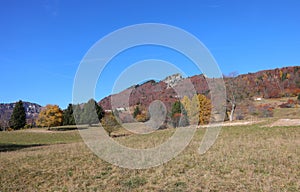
(270, 83)
(31, 109)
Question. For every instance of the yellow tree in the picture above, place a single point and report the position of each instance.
(186, 103)
(204, 109)
(194, 111)
(50, 116)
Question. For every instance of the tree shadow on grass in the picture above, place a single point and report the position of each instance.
(67, 128)
(13, 147)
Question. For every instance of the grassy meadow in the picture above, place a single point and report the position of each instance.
(244, 158)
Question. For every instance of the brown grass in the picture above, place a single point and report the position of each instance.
(244, 158)
(291, 113)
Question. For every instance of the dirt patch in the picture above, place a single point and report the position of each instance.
(39, 130)
(234, 123)
(286, 122)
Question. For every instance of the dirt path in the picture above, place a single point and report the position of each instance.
(285, 122)
(234, 123)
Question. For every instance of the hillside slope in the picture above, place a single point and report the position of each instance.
(265, 84)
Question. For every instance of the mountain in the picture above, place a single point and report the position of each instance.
(31, 109)
(273, 83)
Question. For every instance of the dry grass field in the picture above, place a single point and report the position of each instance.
(244, 158)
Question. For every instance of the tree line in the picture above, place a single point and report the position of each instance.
(52, 115)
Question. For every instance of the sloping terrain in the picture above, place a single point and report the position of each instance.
(274, 83)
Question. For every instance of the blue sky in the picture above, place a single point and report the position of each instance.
(43, 42)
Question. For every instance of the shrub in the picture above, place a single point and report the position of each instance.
(265, 111)
(289, 104)
(27, 126)
(141, 117)
(10, 129)
(136, 112)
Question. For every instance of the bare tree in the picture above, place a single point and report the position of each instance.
(232, 92)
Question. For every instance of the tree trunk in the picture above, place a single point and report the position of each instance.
(233, 106)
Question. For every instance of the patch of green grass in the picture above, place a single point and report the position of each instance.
(38, 137)
(134, 182)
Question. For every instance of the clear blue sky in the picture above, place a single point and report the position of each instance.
(42, 42)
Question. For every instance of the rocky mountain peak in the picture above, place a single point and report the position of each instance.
(173, 80)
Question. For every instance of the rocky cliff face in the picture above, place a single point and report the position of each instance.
(266, 84)
(31, 109)
(173, 80)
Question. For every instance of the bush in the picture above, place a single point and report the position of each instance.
(136, 112)
(141, 117)
(27, 126)
(179, 120)
(265, 111)
(10, 129)
(289, 104)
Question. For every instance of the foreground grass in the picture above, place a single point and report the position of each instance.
(246, 158)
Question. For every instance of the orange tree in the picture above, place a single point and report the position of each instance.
(50, 116)
(198, 109)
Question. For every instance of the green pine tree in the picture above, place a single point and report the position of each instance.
(176, 113)
(77, 111)
(18, 117)
(68, 118)
(88, 116)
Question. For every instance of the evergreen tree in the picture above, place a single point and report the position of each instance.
(18, 117)
(99, 110)
(77, 111)
(88, 116)
(176, 113)
(68, 118)
(176, 108)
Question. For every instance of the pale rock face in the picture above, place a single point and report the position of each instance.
(172, 80)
